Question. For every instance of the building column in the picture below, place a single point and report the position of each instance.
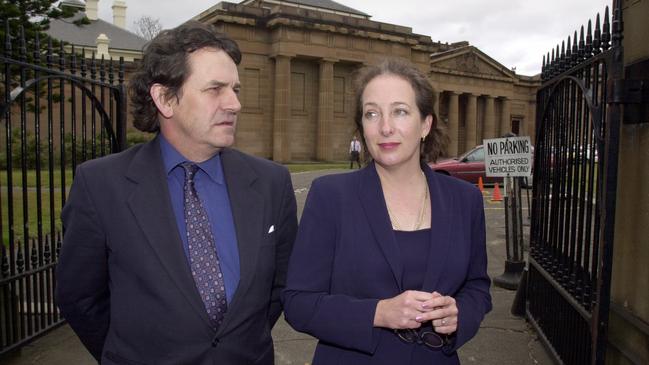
(282, 111)
(505, 117)
(436, 96)
(471, 123)
(325, 111)
(453, 123)
(489, 130)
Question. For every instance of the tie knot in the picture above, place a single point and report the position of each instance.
(190, 170)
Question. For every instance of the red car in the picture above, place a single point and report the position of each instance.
(469, 167)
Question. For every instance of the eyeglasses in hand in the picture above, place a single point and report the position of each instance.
(425, 336)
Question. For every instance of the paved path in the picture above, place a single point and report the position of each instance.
(502, 340)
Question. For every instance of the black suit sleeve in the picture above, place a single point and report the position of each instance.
(287, 229)
(82, 292)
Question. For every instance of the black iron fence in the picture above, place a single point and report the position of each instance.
(58, 109)
(573, 211)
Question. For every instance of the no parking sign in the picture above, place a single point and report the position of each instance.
(511, 156)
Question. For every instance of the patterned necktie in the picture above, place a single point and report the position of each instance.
(203, 259)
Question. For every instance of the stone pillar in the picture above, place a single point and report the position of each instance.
(489, 130)
(324, 151)
(505, 117)
(471, 124)
(282, 111)
(453, 123)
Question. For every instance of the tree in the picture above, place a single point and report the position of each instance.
(147, 27)
(34, 16)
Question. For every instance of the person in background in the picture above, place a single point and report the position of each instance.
(175, 251)
(389, 264)
(354, 153)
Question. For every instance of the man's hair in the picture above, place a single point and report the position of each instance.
(436, 140)
(166, 62)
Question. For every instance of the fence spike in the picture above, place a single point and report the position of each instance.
(111, 71)
(589, 40)
(61, 57)
(121, 70)
(562, 57)
(618, 23)
(568, 62)
(102, 69)
(597, 36)
(7, 38)
(20, 260)
(37, 49)
(582, 46)
(22, 50)
(83, 62)
(4, 267)
(33, 258)
(93, 67)
(73, 61)
(606, 31)
(543, 68)
(48, 57)
(47, 252)
(575, 50)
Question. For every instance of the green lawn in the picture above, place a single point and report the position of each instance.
(32, 214)
(314, 166)
(17, 178)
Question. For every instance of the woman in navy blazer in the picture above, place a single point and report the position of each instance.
(389, 265)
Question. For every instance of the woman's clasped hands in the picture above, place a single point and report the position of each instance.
(412, 308)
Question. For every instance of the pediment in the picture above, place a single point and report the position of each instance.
(470, 60)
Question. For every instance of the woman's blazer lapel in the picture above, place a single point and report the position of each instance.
(441, 203)
(376, 212)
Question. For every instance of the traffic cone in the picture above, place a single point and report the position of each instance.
(480, 185)
(497, 197)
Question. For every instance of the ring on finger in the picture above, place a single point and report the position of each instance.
(443, 322)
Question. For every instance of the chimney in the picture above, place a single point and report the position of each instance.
(91, 9)
(102, 43)
(119, 13)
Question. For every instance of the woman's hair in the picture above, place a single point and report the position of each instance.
(436, 141)
(166, 62)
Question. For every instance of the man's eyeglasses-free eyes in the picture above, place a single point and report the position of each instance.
(426, 337)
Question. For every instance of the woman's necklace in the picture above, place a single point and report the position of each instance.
(422, 209)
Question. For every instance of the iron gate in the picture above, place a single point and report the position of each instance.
(58, 109)
(573, 209)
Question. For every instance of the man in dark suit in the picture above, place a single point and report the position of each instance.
(175, 251)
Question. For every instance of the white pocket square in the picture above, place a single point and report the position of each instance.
(271, 229)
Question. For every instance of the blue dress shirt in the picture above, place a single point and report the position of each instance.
(213, 192)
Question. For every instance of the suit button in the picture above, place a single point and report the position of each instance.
(215, 342)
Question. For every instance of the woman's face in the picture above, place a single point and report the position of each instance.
(392, 124)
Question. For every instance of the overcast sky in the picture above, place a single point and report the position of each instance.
(516, 33)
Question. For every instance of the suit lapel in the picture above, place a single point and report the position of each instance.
(247, 206)
(150, 204)
(440, 230)
(376, 212)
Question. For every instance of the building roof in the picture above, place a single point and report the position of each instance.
(324, 4)
(86, 35)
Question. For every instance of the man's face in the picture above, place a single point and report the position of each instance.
(204, 117)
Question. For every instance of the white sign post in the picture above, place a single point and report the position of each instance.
(509, 158)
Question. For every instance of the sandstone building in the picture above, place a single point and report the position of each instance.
(299, 57)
